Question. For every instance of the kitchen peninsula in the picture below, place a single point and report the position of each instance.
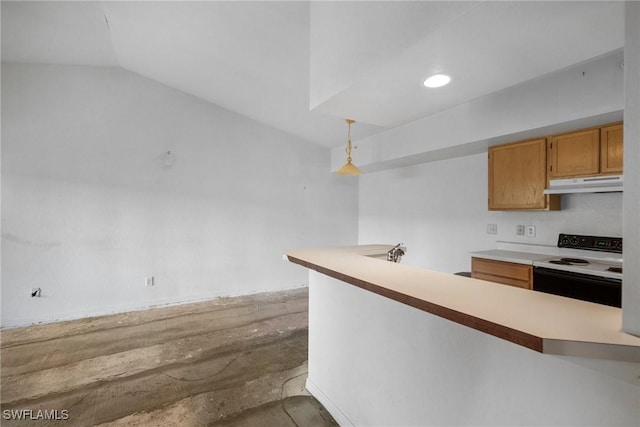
(392, 344)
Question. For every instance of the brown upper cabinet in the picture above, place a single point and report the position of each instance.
(519, 172)
(518, 177)
(611, 149)
(574, 154)
(586, 152)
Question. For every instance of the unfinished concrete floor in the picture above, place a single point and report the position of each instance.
(229, 362)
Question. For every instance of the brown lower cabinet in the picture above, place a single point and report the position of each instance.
(507, 273)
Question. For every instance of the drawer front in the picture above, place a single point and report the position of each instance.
(506, 270)
(502, 280)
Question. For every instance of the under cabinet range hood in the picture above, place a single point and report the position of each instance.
(590, 184)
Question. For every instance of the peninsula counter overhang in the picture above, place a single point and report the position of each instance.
(542, 322)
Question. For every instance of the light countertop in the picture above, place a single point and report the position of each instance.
(542, 322)
(510, 256)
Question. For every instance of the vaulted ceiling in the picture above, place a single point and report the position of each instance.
(304, 66)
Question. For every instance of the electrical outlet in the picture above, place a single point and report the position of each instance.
(148, 281)
(531, 231)
(520, 230)
(492, 228)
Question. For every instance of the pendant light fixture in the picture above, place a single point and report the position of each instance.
(349, 168)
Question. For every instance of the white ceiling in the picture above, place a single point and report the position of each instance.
(303, 67)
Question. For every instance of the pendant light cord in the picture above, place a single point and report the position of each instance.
(349, 168)
(348, 149)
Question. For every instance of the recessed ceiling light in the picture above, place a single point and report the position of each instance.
(437, 80)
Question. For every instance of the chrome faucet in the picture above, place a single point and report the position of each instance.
(395, 254)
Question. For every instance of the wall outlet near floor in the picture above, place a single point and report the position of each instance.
(520, 230)
(531, 231)
(148, 281)
(492, 228)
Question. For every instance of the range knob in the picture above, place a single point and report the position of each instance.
(573, 240)
(564, 241)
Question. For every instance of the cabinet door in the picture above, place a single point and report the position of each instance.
(611, 149)
(574, 154)
(506, 273)
(517, 176)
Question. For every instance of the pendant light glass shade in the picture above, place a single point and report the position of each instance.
(349, 168)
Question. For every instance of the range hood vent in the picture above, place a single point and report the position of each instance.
(591, 184)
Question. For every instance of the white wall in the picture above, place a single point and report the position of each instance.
(631, 281)
(377, 362)
(89, 207)
(439, 210)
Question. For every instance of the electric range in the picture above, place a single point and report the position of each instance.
(587, 268)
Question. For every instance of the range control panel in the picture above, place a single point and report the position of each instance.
(592, 243)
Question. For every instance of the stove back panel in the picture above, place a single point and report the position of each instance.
(591, 243)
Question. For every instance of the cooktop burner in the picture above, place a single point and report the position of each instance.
(575, 261)
(569, 261)
(615, 269)
(559, 261)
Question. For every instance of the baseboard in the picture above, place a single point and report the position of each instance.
(126, 308)
(335, 412)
